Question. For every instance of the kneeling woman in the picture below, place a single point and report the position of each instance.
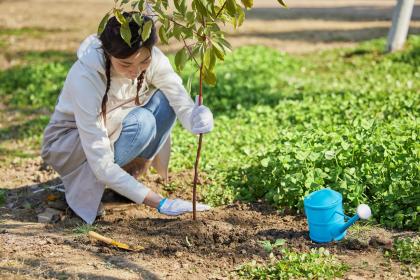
(113, 120)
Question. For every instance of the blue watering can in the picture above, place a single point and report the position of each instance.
(324, 211)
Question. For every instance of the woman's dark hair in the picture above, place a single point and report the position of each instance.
(114, 45)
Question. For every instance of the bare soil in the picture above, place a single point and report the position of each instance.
(174, 247)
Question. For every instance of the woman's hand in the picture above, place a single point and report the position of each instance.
(201, 119)
(179, 206)
(171, 207)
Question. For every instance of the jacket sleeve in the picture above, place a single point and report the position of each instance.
(164, 78)
(86, 101)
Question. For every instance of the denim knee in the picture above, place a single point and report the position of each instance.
(144, 122)
(170, 113)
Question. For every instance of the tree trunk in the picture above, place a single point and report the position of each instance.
(197, 158)
(400, 24)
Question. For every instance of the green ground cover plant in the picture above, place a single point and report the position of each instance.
(316, 264)
(406, 250)
(2, 196)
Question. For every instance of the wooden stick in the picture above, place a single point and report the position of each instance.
(110, 241)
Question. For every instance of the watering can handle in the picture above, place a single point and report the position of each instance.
(363, 211)
(341, 214)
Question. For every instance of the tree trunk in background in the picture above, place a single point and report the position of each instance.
(400, 23)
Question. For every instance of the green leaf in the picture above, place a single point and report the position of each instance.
(367, 124)
(102, 24)
(225, 44)
(282, 3)
(218, 50)
(181, 6)
(231, 7)
(200, 8)
(125, 33)
(209, 59)
(165, 4)
(138, 19)
(329, 155)
(181, 58)
(248, 3)
(190, 17)
(147, 28)
(264, 162)
(189, 83)
(239, 20)
(141, 5)
(121, 19)
(162, 35)
(345, 145)
(209, 77)
(177, 31)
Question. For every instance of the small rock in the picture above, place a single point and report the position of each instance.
(355, 244)
(50, 241)
(243, 251)
(354, 277)
(49, 215)
(184, 265)
(27, 205)
(178, 254)
(58, 204)
(176, 266)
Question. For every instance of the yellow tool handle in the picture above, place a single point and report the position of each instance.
(101, 237)
(110, 241)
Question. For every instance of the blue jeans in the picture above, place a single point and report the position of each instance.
(144, 130)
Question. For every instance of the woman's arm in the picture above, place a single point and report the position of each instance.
(162, 76)
(86, 89)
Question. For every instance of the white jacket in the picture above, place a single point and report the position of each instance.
(82, 96)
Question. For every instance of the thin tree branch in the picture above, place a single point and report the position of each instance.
(221, 9)
(189, 51)
(200, 140)
(177, 23)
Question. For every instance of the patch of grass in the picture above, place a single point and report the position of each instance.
(316, 264)
(361, 226)
(11, 153)
(33, 86)
(2, 196)
(406, 250)
(83, 229)
(28, 129)
(40, 57)
(32, 31)
(3, 44)
(170, 187)
(269, 247)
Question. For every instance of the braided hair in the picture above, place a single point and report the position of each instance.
(114, 45)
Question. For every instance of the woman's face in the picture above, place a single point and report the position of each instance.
(132, 66)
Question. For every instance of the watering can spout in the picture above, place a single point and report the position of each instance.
(349, 223)
(363, 212)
